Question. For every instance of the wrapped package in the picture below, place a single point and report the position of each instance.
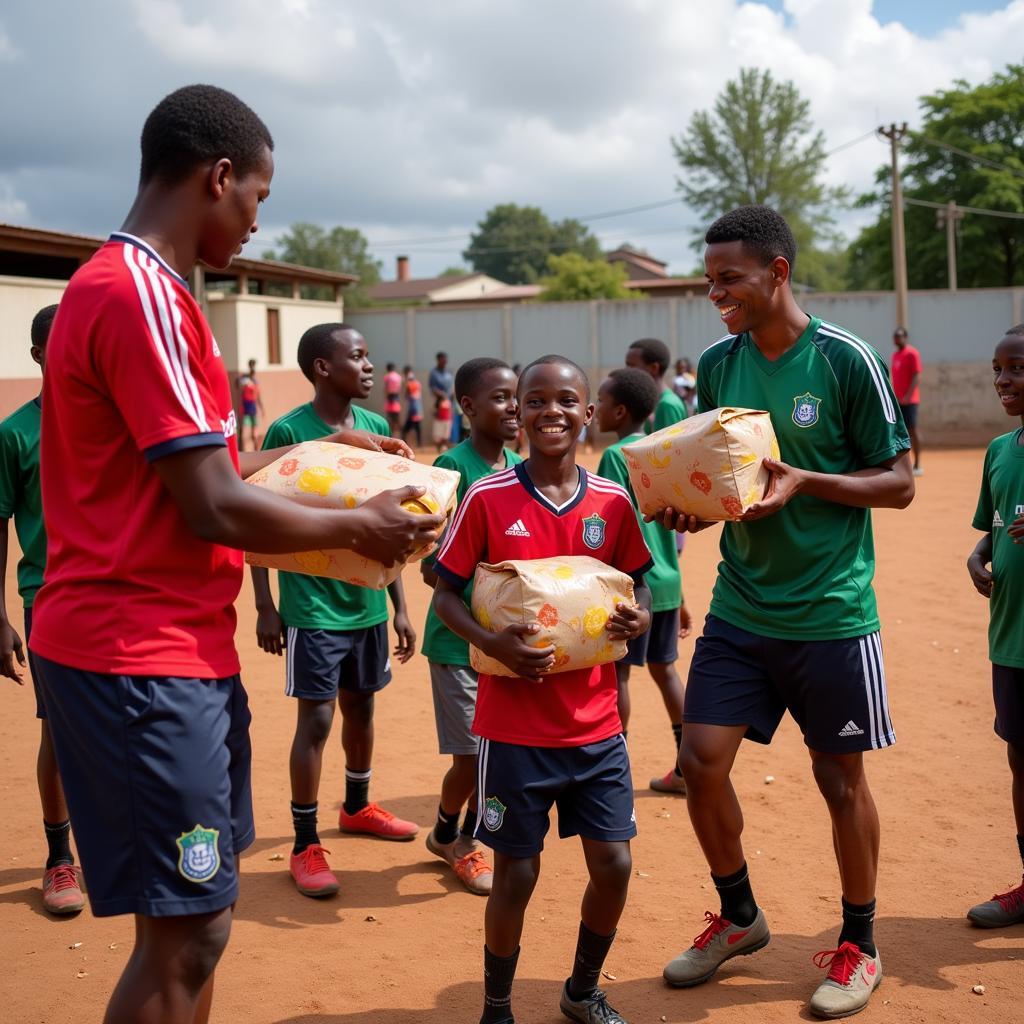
(340, 476)
(710, 466)
(570, 598)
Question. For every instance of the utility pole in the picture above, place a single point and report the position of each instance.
(895, 135)
(948, 217)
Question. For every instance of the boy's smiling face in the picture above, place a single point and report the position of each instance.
(492, 407)
(554, 406)
(1008, 368)
(348, 370)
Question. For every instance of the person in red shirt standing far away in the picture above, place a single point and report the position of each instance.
(146, 517)
(906, 381)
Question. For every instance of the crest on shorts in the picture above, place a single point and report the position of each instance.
(593, 531)
(494, 813)
(198, 854)
(805, 410)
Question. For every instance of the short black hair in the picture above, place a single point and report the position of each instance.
(468, 375)
(654, 351)
(761, 229)
(318, 343)
(198, 124)
(900, 332)
(1018, 329)
(390, 367)
(441, 355)
(41, 324)
(554, 360)
(634, 389)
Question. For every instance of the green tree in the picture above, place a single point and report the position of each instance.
(574, 277)
(342, 249)
(758, 145)
(512, 243)
(986, 122)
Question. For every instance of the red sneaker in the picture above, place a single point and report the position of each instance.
(474, 873)
(373, 820)
(670, 782)
(852, 977)
(62, 890)
(311, 874)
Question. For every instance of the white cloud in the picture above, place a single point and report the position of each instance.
(12, 209)
(8, 51)
(410, 120)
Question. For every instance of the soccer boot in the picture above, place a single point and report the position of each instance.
(852, 977)
(373, 820)
(670, 782)
(720, 941)
(471, 869)
(311, 874)
(1002, 910)
(62, 889)
(592, 1010)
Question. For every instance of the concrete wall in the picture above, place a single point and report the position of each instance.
(954, 331)
(20, 299)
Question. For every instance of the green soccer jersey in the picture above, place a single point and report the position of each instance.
(440, 644)
(1000, 502)
(805, 572)
(314, 602)
(663, 580)
(670, 409)
(20, 497)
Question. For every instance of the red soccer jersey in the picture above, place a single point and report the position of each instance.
(505, 517)
(905, 363)
(132, 374)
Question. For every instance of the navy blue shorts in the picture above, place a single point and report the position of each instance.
(835, 689)
(517, 786)
(1008, 694)
(659, 645)
(909, 414)
(40, 706)
(320, 662)
(157, 776)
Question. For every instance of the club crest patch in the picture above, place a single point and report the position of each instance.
(593, 531)
(805, 410)
(198, 854)
(494, 813)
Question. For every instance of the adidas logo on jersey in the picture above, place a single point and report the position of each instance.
(850, 729)
(997, 520)
(517, 529)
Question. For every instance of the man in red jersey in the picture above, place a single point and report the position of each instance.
(906, 382)
(146, 516)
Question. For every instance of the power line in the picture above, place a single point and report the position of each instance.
(602, 215)
(1016, 171)
(1007, 214)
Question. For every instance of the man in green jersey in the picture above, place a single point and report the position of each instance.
(21, 500)
(793, 623)
(1000, 515)
(485, 390)
(652, 356)
(336, 634)
(624, 401)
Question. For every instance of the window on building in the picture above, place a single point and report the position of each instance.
(274, 337)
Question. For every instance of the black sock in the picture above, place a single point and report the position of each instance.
(737, 897)
(58, 839)
(447, 828)
(1020, 846)
(469, 823)
(859, 926)
(357, 790)
(304, 822)
(499, 973)
(591, 950)
(677, 735)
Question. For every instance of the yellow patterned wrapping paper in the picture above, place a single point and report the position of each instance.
(710, 466)
(339, 476)
(570, 598)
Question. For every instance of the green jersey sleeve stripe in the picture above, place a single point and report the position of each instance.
(831, 331)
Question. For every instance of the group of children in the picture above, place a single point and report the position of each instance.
(145, 514)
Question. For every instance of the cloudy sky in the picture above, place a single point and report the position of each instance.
(410, 119)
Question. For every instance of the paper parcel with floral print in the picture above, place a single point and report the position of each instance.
(570, 599)
(710, 466)
(338, 476)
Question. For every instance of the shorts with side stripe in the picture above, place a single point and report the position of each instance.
(834, 689)
(320, 662)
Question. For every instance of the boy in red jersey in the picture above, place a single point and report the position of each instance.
(558, 740)
(145, 514)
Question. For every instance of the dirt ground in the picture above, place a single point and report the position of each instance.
(402, 943)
